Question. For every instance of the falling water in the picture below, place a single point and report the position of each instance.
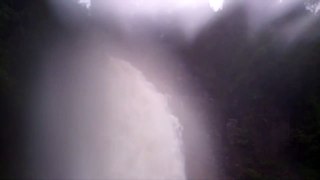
(142, 137)
(104, 120)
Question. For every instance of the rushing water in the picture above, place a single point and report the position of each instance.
(105, 121)
(143, 138)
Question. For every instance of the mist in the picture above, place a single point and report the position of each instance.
(117, 114)
(160, 89)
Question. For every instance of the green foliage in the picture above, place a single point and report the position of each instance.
(5, 14)
(309, 173)
(241, 137)
(251, 174)
(312, 5)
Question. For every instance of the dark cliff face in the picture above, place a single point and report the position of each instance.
(258, 82)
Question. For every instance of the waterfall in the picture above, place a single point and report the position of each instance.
(104, 120)
(143, 138)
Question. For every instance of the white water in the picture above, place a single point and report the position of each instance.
(140, 138)
(104, 120)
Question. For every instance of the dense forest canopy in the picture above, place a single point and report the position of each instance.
(265, 87)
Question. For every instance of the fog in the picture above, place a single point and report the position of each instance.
(111, 123)
(111, 107)
(97, 115)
